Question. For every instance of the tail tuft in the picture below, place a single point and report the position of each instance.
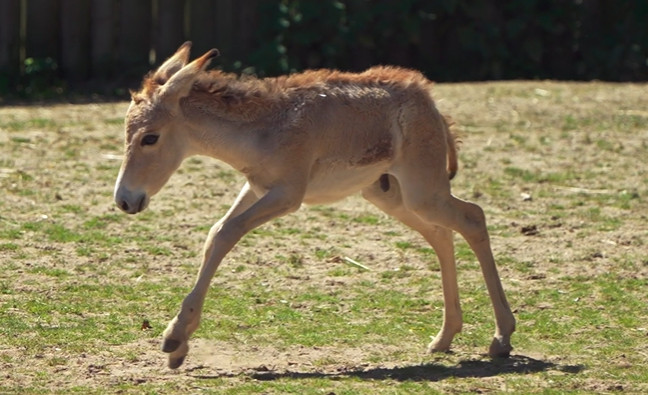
(452, 141)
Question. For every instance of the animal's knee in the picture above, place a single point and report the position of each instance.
(474, 222)
(448, 212)
(475, 215)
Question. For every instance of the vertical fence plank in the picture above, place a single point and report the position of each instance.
(102, 17)
(202, 28)
(236, 22)
(9, 41)
(247, 16)
(75, 40)
(100, 39)
(225, 33)
(170, 28)
(134, 41)
(43, 32)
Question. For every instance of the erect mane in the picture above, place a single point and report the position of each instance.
(234, 89)
(245, 87)
(234, 97)
(149, 85)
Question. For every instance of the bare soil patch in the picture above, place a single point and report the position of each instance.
(558, 167)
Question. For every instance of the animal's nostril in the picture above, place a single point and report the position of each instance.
(124, 205)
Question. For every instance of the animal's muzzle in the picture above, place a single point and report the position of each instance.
(131, 203)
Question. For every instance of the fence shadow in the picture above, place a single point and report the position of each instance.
(517, 364)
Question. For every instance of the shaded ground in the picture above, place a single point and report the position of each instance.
(558, 167)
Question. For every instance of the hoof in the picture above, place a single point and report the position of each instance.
(177, 356)
(175, 363)
(170, 345)
(440, 344)
(436, 348)
(499, 349)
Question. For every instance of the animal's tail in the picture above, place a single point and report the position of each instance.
(451, 140)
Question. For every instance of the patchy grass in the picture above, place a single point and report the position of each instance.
(85, 291)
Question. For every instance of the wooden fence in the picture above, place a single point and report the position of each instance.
(109, 39)
(48, 42)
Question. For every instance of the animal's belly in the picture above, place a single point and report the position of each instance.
(335, 183)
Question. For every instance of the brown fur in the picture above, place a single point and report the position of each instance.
(246, 98)
(313, 137)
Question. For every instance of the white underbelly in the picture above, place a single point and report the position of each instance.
(331, 185)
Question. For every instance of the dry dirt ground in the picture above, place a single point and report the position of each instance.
(559, 168)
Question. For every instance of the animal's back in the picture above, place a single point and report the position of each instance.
(362, 115)
(376, 76)
(355, 121)
(350, 120)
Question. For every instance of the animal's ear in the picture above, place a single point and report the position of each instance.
(180, 83)
(174, 64)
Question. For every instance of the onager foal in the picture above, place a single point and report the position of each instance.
(314, 137)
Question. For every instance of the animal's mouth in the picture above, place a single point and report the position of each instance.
(142, 204)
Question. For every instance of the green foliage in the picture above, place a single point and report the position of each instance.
(40, 79)
(525, 39)
(449, 40)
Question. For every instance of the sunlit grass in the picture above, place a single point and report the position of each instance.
(78, 278)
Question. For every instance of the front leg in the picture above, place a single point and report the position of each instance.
(247, 213)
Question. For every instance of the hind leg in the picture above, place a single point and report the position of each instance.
(425, 191)
(441, 240)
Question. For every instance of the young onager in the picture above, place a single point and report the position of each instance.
(313, 137)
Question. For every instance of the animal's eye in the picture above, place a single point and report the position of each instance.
(150, 139)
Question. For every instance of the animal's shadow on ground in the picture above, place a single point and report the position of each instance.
(517, 364)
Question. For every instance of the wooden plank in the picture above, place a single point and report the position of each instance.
(103, 18)
(43, 29)
(248, 22)
(75, 39)
(226, 30)
(170, 28)
(9, 40)
(134, 37)
(202, 25)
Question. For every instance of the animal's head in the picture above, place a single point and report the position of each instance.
(155, 142)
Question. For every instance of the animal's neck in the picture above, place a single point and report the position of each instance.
(229, 141)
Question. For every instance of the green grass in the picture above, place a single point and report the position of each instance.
(78, 278)
(34, 123)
